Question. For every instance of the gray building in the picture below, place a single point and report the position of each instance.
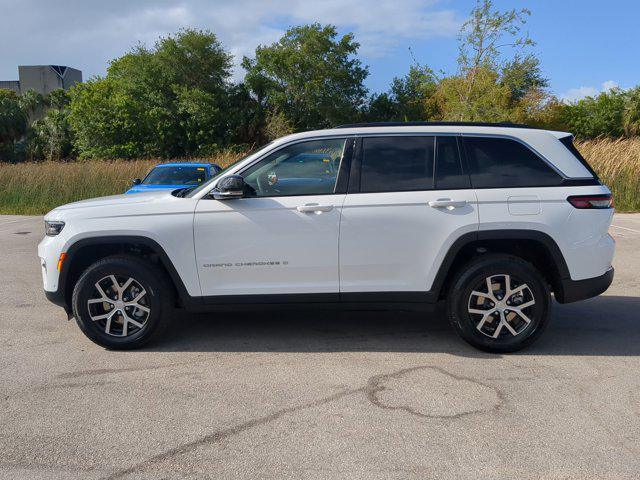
(43, 78)
(13, 85)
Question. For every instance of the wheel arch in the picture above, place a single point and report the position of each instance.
(86, 251)
(537, 247)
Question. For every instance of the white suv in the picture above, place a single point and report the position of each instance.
(491, 218)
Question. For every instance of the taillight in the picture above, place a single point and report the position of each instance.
(591, 201)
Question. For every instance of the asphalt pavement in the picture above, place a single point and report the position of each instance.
(315, 395)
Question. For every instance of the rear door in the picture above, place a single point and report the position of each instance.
(409, 199)
(511, 181)
(518, 189)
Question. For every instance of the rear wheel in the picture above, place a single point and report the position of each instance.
(499, 303)
(122, 302)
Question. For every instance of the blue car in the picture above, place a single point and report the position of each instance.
(170, 176)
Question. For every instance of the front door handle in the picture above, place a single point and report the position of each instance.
(314, 208)
(447, 203)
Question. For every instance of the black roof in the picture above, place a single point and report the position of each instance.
(434, 124)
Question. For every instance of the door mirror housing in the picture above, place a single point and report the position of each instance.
(136, 181)
(231, 186)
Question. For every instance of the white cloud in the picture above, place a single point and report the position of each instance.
(87, 34)
(575, 94)
(579, 93)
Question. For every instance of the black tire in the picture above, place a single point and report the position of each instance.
(470, 279)
(158, 299)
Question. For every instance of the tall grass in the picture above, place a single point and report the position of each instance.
(617, 163)
(36, 188)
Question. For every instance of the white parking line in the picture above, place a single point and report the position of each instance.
(625, 228)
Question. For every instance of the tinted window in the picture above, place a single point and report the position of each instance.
(307, 168)
(395, 164)
(449, 173)
(504, 163)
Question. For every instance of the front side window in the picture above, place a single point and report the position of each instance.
(306, 168)
(397, 164)
(505, 163)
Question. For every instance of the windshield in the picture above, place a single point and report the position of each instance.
(195, 191)
(187, 175)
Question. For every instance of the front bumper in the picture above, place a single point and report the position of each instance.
(576, 290)
(56, 298)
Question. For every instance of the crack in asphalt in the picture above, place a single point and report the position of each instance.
(220, 435)
(374, 385)
(106, 371)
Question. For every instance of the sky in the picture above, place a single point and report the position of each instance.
(585, 46)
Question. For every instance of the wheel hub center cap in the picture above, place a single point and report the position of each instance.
(119, 305)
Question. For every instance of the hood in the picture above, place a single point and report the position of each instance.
(113, 200)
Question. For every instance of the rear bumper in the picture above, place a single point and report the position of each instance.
(576, 290)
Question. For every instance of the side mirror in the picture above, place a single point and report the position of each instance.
(231, 186)
(136, 181)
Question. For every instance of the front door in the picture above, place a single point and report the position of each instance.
(282, 237)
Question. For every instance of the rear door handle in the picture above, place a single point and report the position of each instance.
(314, 208)
(447, 203)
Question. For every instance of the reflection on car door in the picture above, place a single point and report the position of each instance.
(272, 242)
(395, 232)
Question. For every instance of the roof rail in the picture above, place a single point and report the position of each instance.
(434, 124)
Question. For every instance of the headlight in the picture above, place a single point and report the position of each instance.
(53, 228)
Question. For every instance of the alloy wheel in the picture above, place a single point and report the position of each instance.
(119, 305)
(501, 306)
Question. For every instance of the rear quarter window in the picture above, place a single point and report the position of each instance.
(568, 143)
(506, 163)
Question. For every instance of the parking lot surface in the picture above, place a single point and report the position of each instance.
(315, 395)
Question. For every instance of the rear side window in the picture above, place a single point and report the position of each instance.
(449, 173)
(505, 163)
(396, 164)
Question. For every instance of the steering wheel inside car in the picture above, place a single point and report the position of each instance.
(265, 183)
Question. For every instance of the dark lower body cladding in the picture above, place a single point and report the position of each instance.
(56, 298)
(576, 290)
(568, 291)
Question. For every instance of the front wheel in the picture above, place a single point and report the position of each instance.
(122, 302)
(499, 303)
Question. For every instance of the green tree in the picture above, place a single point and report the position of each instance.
(540, 109)
(277, 125)
(488, 100)
(52, 136)
(171, 100)
(49, 136)
(410, 98)
(483, 38)
(601, 115)
(109, 122)
(522, 75)
(13, 124)
(631, 114)
(32, 104)
(310, 76)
